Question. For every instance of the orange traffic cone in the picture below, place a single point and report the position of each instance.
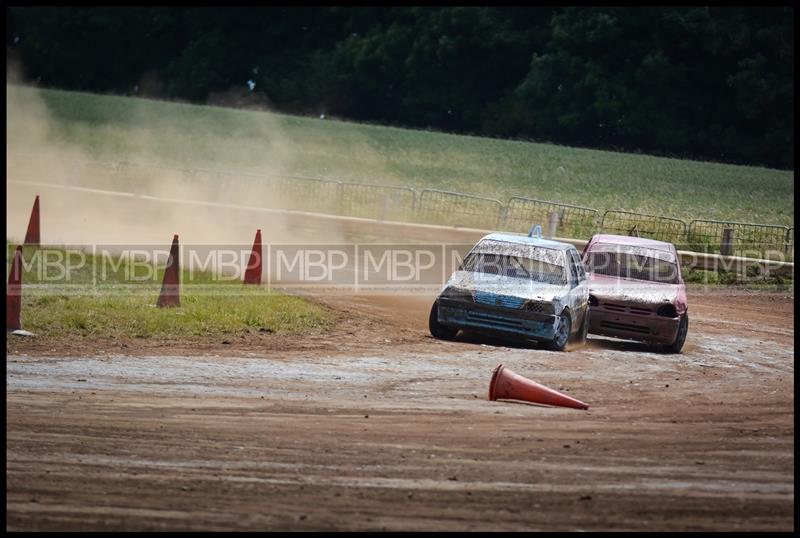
(507, 385)
(14, 293)
(32, 235)
(170, 288)
(253, 273)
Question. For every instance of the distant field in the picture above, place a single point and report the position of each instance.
(121, 128)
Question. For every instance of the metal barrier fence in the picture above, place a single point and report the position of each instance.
(377, 202)
(569, 220)
(303, 194)
(460, 210)
(738, 238)
(644, 225)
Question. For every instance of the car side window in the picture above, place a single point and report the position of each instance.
(574, 276)
(579, 269)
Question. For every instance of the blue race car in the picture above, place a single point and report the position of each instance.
(516, 286)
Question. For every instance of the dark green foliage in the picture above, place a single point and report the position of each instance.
(703, 82)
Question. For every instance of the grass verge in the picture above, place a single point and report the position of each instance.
(118, 314)
(80, 306)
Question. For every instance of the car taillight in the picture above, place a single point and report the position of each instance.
(667, 310)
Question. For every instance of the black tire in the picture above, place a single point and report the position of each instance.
(563, 332)
(442, 332)
(680, 338)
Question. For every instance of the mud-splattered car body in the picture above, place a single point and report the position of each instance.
(636, 290)
(515, 286)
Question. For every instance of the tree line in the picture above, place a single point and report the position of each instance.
(713, 83)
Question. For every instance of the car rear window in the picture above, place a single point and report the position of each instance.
(638, 263)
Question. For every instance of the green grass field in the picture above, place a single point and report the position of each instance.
(90, 303)
(121, 128)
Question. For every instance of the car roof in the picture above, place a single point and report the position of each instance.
(526, 240)
(633, 241)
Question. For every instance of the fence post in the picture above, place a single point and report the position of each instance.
(727, 242)
(339, 199)
(385, 207)
(786, 242)
(502, 218)
(552, 223)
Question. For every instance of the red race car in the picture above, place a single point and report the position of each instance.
(636, 290)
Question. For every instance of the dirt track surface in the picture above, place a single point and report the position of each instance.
(377, 426)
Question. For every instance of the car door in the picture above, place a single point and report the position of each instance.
(573, 294)
(579, 292)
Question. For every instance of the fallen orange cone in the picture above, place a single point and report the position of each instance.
(170, 288)
(14, 293)
(508, 385)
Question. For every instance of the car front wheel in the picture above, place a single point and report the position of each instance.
(559, 341)
(443, 332)
(683, 330)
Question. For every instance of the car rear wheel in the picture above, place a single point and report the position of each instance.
(559, 341)
(443, 332)
(683, 330)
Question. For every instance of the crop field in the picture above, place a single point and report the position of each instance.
(118, 128)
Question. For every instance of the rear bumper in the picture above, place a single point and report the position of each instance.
(496, 320)
(653, 328)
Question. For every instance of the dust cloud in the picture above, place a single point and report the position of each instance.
(41, 148)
